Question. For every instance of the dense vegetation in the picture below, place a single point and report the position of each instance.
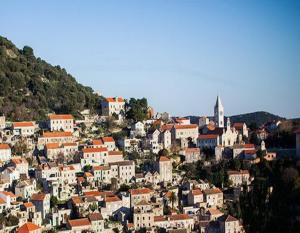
(30, 87)
(258, 118)
(137, 109)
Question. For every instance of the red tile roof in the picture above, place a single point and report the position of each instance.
(212, 191)
(114, 99)
(197, 192)
(92, 193)
(112, 199)
(23, 124)
(94, 150)
(4, 146)
(108, 139)
(56, 134)
(28, 227)
(61, 117)
(97, 142)
(52, 145)
(79, 222)
(208, 136)
(114, 153)
(140, 191)
(28, 204)
(191, 126)
(38, 197)
(100, 168)
(164, 159)
(238, 125)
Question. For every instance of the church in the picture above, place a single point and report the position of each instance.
(230, 135)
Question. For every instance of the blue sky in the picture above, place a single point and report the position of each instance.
(178, 54)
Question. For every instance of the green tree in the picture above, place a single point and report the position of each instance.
(137, 109)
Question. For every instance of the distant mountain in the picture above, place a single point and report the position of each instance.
(30, 87)
(259, 118)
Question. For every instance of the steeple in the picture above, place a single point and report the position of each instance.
(219, 113)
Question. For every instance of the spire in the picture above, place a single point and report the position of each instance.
(218, 102)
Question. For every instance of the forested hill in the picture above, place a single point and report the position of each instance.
(30, 87)
(259, 118)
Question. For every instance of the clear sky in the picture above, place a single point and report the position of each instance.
(178, 54)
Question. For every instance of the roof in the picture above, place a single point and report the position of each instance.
(174, 217)
(94, 150)
(19, 160)
(164, 159)
(56, 134)
(2, 201)
(212, 191)
(92, 193)
(61, 117)
(100, 168)
(247, 146)
(95, 217)
(112, 198)
(97, 142)
(123, 163)
(4, 146)
(192, 150)
(191, 126)
(38, 197)
(88, 174)
(28, 227)
(28, 204)
(52, 145)
(23, 124)
(140, 191)
(115, 153)
(108, 139)
(238, 125)
(208, 136)
(213, 211)
(114, 99)
(227, 218)
(166, 127)
(8, 194)
(79, 222)
(197, 192)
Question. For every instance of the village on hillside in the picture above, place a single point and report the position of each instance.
(129, 169)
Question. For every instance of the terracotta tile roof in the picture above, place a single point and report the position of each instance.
(19, 160)
(66, 168)
(28, 204)
(166, 127)
(213, 211)
(192, 150)
(140, 191)
(28, 227)
(191, 126)
(94, 150)
(69, 144)
(80, 179)
(79, 222)
(230, 219)
(112, 199)
(38, 197)
(101, 168)
(208, 136)
(115, 153)
(95, 217)
(107, 139)
(8, 194)
(4, 146)
(179, 217)
(97, 142)
(92, 193)
(123, 163)
(52, 145)
(238, 125)
(2, 201)
(248, 146)
(56, 134)
(76, 200)
(250, 152)
(114, 99)
(212, 191)
(61, 117)
(159, 218)
(197, 192)
(23, 124)
(164, 159)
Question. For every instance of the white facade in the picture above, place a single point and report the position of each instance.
(5, 153)
(24, 128)
(63, 122)
(165, 169)
(115, 105)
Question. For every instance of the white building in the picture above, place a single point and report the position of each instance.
(165, 169)
(138, 130)
(59, 122)
(185, 131)
(5, 153)
(25, 128)
(113, 105)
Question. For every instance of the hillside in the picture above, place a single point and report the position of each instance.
(259, 118)
(30, 87)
